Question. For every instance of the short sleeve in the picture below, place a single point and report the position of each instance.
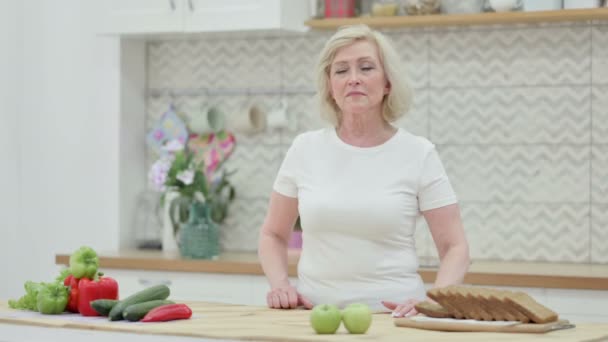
(434, 190)
(286, 182)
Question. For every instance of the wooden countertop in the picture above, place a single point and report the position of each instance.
(238, 322)
(524, 274)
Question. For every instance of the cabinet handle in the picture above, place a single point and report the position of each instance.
(148, 282)
(172, 4)
(191, 5)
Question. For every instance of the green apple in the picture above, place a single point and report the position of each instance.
(325, 318)
(357, 318)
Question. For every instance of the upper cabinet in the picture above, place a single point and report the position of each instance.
(140, 16)
(236, 15)
(190, 16)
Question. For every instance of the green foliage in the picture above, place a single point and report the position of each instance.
(64, 273)
(29, 300)
(220, 197)
(184, 161)
(218, 194)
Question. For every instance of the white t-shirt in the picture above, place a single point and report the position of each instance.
(358, 208)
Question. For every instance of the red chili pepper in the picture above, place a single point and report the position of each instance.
(168, 312)
(90, 290)
(73, 297)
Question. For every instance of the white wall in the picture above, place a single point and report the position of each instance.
(65, 86)
(132, 136)
(9, 125)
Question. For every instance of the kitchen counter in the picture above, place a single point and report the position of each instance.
(523, 274)
(238, 322)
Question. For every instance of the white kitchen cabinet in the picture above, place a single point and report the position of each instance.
(140, 16)
(210, 287)
(184, 286)
(579, 305)
(194, 16)
(241, 15)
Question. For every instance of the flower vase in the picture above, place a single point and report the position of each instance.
(169, 238)
(199, 237)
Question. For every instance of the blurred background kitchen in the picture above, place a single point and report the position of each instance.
(517, 109)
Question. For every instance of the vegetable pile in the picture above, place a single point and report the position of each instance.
(81, 288)
(147, 305)
(72, 290)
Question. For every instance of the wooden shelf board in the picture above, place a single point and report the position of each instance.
(485, 273)
(487, 18)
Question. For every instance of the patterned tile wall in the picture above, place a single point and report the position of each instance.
(519, 115)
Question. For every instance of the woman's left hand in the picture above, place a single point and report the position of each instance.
(402, 309)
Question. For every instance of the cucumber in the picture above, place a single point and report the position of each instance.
(136, 312)
(146, 295)
(103, 306)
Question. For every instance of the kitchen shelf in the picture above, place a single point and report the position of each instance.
(487, 18)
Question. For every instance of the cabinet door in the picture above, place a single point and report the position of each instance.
(185, 286)
(579, 306)
(140, 16)
(236, 15)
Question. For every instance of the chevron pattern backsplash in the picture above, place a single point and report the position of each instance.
(519, 115)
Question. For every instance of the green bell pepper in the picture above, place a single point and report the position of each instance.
(52, 298)
(84, 263)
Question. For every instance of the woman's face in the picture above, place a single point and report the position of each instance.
(357, 80)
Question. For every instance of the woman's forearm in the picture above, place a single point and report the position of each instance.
(454, 266)
(272, 252)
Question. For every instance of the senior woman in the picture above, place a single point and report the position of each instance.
(358, 188)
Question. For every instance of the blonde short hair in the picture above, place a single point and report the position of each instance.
(395, 104)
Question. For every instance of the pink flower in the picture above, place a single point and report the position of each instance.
(159, 135)
(158, 173)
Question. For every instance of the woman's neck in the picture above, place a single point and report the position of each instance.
(364, 130)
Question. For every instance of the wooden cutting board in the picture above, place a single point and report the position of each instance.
(251, 323)
(449, 324)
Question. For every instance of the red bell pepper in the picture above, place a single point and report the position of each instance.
(168, 312)
(90, 290)
(73, 295)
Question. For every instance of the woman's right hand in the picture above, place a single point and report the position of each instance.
(286, 297)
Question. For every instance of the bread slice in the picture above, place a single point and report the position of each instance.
(475, 300)
(460, 302)
(501, 297)
(537, 312)
(433, 310)
(439, 296)
(493, 306)
(486, 304)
